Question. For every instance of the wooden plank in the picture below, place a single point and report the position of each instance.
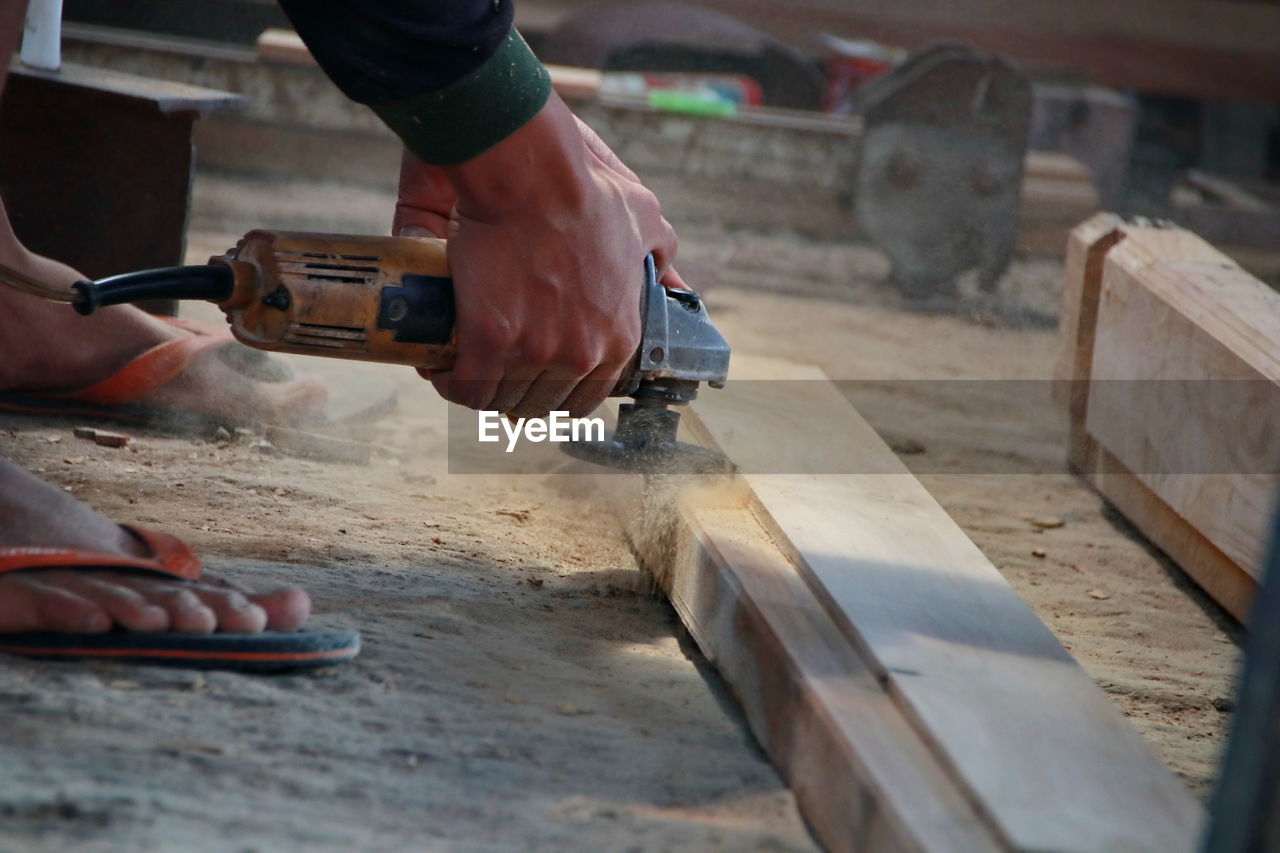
(1187, 456)
(862, 776)
(575, 84)
(1020, 726)
(810, 157)
(1182, 319)
(1214, 571)
(74, 31)
(1243, 28)
(284, 46)
(131, 91)
(812, 138)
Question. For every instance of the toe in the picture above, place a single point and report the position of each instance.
(29, 604)
(65, 612)
(235, 613)
(287, 609)
(226, 606)
(187, 613)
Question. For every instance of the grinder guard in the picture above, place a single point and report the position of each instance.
(678, 349)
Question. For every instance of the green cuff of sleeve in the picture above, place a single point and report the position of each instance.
(458, 122)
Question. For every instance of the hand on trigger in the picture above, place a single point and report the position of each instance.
(548, 231)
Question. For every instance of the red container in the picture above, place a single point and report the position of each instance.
(850, 63)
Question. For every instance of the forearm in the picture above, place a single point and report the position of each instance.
(542, 165)
(450, 77)
(547, 230)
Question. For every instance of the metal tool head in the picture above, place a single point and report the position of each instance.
(677, 340)
(679, 348)
(645, 442)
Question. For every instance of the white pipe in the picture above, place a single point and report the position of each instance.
(42, 35)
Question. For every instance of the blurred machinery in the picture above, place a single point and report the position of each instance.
(940, 159)
(940, 166)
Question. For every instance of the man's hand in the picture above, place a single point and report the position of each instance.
(548, 233)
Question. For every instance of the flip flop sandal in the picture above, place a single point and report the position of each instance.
(270, 651)
(115, 398)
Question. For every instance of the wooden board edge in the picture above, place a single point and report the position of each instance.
(1087, 248)
(1198, 281)
(1213, 571)
(861, 775)
(1145, 249)
(128, 91)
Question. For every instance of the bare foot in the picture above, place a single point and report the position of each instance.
(33, 513)
(46, 346)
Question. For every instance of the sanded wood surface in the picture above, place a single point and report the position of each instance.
(863, 777)
(1022, 729)
(1175, 405)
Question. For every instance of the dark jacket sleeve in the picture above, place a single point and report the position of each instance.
(451, 77)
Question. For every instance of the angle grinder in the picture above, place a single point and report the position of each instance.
(390, 299)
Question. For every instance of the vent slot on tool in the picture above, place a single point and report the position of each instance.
(335, 337)
(325, 266)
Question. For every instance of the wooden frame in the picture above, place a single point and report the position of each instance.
(96, 166)
(910, 697)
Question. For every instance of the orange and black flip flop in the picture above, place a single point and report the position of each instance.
(270, 651)
(117, 397)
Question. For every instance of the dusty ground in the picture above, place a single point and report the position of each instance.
(518, 687)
